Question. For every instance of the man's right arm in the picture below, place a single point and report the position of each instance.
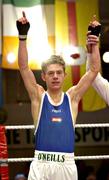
(31, 85)
(34, 90)
(101, 85)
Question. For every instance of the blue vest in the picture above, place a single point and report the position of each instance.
(55, 130)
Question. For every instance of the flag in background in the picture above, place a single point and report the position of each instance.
(56, 26)
(41, 17)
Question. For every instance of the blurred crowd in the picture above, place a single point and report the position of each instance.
(87, 172)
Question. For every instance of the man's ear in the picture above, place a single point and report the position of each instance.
(43, 76)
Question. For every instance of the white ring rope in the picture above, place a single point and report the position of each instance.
(77, 126)
(20, 127)
(98, 157)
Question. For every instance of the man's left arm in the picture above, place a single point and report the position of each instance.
(77, 92)
(100, 84)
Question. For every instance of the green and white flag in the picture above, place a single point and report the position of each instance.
(55, 24)
(40, 14)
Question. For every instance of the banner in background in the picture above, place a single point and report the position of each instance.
(83, 137)
(56, 27)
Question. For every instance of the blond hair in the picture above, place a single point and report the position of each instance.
(54, 59)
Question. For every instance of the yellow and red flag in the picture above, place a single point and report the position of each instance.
(56, 27)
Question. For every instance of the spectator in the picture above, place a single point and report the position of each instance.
(20, 176)
(103, 171)
(90, 173)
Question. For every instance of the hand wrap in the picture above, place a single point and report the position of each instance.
(95, 30)
(22, 30)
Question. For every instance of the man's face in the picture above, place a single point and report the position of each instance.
(54, 76)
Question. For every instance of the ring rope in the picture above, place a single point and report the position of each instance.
(76, 157)
(20, 127)
(76, 126)
(98, 157)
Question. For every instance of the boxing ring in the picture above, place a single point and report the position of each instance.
(4, 160)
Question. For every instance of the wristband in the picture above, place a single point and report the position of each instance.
(22, 37)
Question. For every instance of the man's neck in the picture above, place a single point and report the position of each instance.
(55, 96)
